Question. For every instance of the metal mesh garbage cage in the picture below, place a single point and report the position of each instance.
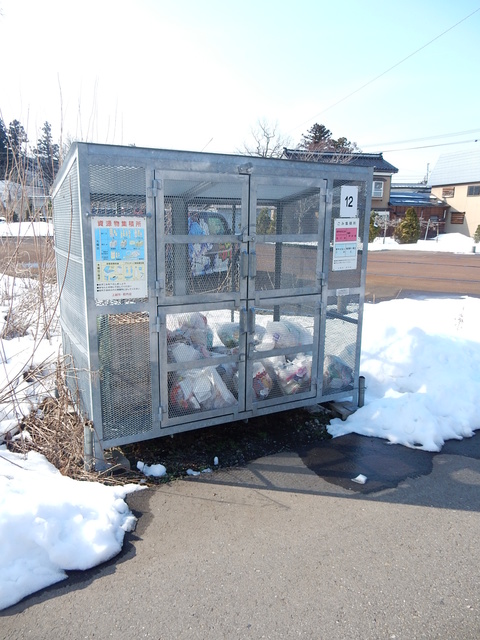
(198, 289)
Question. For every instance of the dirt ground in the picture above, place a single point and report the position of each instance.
(22, 257)
(393, 274)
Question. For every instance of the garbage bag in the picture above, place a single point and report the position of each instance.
(336, 373)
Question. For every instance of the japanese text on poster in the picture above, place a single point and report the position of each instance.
(345, 238)
(120, 257)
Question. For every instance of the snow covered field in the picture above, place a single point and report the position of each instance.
(421, 361)
(22, 229)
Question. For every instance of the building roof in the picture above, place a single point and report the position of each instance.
(456, 168)
(403, 198)
(417, 187)
(375, 160)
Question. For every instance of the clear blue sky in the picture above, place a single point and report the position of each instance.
(186, 74)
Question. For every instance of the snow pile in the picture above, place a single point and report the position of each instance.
(28, 361)
(449, 242)
(29, 229)
(50, 524)
(421, 362)
(154, 470)
(18, 357)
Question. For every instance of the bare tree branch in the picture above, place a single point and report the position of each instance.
(268, 142)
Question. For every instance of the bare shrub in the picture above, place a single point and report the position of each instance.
(55, 430)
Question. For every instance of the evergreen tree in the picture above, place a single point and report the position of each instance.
(342, 145)
(408, 231)
(3, 149)
(264, 223)
(47, 155)
(16, 150)
(317, 138)
(373, 229)
(476, 235)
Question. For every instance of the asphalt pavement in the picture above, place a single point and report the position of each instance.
(288, 547)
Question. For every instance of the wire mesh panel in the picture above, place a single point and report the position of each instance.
(68, 250)
(285, 349)
(200, 252)
(203, 351)
(341, 342)
(72, 307)
(71, 281)
(118, 210)
(287, 234)
(77, 374)
(125, 377)
(66, 215)
(346, 242)
(117, 190)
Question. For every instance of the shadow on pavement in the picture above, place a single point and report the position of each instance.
(449, 479)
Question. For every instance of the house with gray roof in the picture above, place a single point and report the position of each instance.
(456, 180)
(382, 170)
(431, 210)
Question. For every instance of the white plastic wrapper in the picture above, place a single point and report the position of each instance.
(182, 352)
(190, 327)
(262, 382)
(283, 333)
(295, 376)
(201, 389)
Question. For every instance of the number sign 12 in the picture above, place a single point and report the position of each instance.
(349, 201)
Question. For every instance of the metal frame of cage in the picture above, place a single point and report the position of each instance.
(169, 328)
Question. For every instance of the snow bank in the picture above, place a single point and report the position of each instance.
(21, 229)
(421, 362)
(50, 524)
(448, 242)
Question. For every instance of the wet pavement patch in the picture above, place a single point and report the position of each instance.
(469, 447)
(385, 465)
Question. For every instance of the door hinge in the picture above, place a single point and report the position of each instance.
(157, 185)
(159, 287)
(159, 323)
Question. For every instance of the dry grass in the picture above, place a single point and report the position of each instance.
(56, 431)
(33, 392)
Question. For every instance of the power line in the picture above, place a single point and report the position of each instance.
(352, 93)
(429, 146)
(441, 135)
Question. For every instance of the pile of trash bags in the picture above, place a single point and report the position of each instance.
(190, 338)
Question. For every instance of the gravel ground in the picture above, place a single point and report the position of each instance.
(234, 444)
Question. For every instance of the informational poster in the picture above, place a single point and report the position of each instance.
(345, 241)
(120, 255)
